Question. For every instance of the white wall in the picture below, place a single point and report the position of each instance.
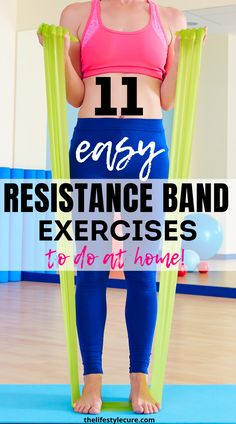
(231, 153)
(31, 117)
(214, 148)
(231, 146)
(8, 14)
(209, 158)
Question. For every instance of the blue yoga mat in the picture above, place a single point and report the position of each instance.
(185, 404)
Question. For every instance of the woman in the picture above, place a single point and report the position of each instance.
(119, 38)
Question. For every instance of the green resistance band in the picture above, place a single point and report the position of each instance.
(185, 104)
(191, 42)
(53, 46)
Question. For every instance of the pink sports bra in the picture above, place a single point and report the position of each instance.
(104, 50)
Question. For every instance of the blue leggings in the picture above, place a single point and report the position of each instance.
(141, 300)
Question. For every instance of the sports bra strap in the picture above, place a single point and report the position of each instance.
(92, 22)
(154, 17)
(156, 21)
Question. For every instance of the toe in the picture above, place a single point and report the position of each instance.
(85, 409)
(94, 410)
(79, 408)
(154, 409)
(145, 408)
(76, 406)
(138, 408)
(95, 407)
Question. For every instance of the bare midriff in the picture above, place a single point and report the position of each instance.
(148, 96)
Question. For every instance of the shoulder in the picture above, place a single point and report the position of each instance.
(73, 14)
(174, 17)
(76, 7)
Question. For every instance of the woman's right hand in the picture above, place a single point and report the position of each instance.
(67, 43)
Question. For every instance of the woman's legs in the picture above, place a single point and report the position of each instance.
(91, 312)
(141, 307)
(141, 302)
(140, 313)
(90, 289)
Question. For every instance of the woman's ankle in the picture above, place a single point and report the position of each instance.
(138, 376)
(93, 378)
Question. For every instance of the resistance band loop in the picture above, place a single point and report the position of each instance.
(191, 41)
(53, 44)
(185, 104)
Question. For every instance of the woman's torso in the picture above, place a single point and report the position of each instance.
(136, 19)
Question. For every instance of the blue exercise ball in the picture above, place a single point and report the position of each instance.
(191, 260)
(209, 235)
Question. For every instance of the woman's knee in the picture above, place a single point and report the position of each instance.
(141, 281)
(91, 281)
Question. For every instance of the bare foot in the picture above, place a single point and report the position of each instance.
(140, 397)
(90, 401)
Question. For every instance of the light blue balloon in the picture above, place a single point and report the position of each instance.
(191, 260)
(209, 236)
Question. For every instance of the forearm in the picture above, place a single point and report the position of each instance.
(74, 84)
(168, 88)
